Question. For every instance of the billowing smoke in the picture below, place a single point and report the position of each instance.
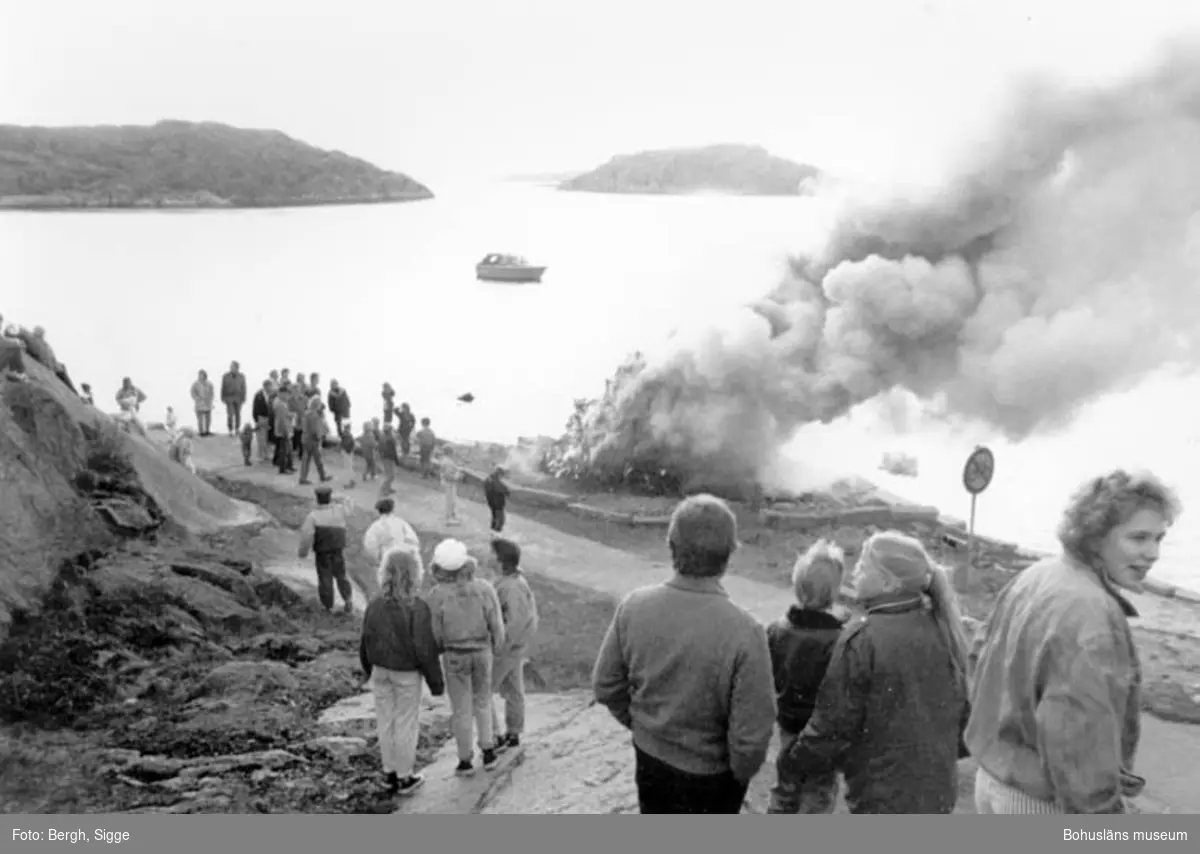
(1060, 265)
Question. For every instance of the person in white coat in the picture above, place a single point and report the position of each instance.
(389, 531)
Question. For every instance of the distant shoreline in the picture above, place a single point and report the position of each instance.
(195, 206)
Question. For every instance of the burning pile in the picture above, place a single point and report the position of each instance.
(1058, 266)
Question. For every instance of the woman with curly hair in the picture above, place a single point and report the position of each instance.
(1056, 705)
(398, 649)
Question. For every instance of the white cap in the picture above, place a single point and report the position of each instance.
(450, 555)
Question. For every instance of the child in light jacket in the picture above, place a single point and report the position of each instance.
(518, 607)
(470, 630)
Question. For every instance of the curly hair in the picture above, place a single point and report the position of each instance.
(402, 575)
(1105, 502)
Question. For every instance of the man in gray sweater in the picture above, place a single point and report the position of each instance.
(689, 672)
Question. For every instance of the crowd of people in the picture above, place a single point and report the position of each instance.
(1044, 695)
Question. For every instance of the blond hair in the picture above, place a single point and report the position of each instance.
(817, 575)
(401, 575)
(1105, 502)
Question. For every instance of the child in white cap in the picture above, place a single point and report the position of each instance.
(470, 630)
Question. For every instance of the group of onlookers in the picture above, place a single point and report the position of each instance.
(1045, 697)
(466, 636)
(33, 342)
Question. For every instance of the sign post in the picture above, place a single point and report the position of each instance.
(977, 474)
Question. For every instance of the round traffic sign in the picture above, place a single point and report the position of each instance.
(978, 471)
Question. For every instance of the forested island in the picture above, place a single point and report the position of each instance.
(729, 168)
(180, 164)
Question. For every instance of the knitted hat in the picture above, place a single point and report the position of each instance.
(899, 558)
(451, 555)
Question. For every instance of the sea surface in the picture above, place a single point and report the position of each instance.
(388, 292)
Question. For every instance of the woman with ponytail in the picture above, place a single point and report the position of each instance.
(893, 705)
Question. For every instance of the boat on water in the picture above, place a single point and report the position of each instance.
(498, 267)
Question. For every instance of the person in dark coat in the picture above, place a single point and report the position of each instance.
(324, 534)
(407, 423)
(892, 708)
(260, 411)
(398, 649)
(495, 492)
(339, 404)
(801, 644)
(233, 395)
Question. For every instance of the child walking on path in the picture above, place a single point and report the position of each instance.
(801, 644)
(247, 437)
(469, 630)
(518, 607)
(397, 650)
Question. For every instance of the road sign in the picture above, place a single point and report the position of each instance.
(978, 471)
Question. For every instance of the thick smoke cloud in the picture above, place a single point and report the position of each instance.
(1060, 265)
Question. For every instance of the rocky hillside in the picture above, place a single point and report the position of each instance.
(735, 169)
(183, 164)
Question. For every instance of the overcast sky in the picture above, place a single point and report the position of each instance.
(475, 88)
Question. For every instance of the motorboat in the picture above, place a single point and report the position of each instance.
(507, 268)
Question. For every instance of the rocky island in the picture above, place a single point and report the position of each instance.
(735, 169)
(180, 164)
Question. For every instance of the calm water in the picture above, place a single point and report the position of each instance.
(367, 294)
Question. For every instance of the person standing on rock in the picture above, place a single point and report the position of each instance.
(298, 403)
(389, 403)
(233, 395)
(689, 673)
(389, 532)
(470, 630)
(801, 644)
(388, 459)
(313, 434)
(398, 649)
(892, 707)
(518, 608)
(407, 423)
(283, 433)
(324, 533)
(426, 442)
(1056, 704)
(260, 411)
(495, 492)
(129, 400)
(339, 404)
(202, 399)
(86, 394)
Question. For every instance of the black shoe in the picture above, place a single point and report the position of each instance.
(306, 483)
(326, 479)
(393, 782)
(465, 768)
(410, 784)
(489, 759)
(512, 740)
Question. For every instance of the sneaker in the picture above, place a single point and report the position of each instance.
(465, 768)
(393, 782)
(489, 759)
(410, 784)
(306, 483)
(512, 740)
